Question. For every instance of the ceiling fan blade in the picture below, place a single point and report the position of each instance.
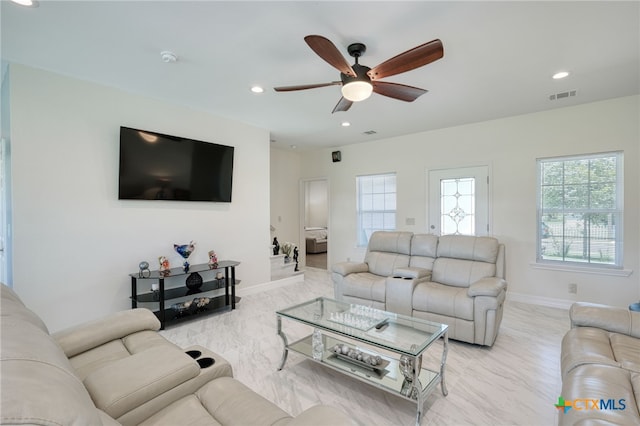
(409, 60)
(342, 105)
(398, 91)
(330, 53)
(305, 86)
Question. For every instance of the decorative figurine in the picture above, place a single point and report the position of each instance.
(164, 266)
(144, 269)
(295, 257)
(286, 249)
(213, 260)
(185, 251)
(276, 246)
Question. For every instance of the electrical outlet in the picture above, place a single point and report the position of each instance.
(573, 288)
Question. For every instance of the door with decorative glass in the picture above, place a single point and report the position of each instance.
(459, 201)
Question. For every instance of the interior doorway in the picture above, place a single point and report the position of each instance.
(315, 222)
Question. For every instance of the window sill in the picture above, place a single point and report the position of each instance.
(583, 269)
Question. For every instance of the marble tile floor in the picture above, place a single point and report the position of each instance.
(515, 382)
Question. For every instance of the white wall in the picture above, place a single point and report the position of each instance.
(285, 188)
(74, 242)
(315, 203)
(510, 147)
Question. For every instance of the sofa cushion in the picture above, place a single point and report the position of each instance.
(611, 318)
(38, 383)
(600, 382)
(590, 345)
(481, 249)
(224, 401)
(365, 286)
(12, 306)
(443, 300)
(383, 264)
(87, 362)
(461, 273)
(626, 350)
(82, 337)
(424, 249)
(387, 251)
(586, 345)
(130, 382)
(186, 411)
(391, 242)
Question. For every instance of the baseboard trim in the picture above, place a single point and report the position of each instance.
(259, 288)
(539, 300)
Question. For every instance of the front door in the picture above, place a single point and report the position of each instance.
(459, 201)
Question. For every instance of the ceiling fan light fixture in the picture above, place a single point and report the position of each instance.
(357, 91)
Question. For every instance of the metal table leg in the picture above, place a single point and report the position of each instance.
(285, 351)
(445, 392)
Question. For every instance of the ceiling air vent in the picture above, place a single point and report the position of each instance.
(562, 95)
(370, 132)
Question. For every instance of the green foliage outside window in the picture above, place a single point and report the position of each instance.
(579, 209)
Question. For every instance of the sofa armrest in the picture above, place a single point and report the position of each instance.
(81, 338)
(130, 382)
(491, 286)
(414, 273)
(322, 415)
(610, 318)
(346, 268)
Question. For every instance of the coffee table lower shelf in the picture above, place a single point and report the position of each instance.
(389, 379)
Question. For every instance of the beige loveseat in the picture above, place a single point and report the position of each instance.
(600, 365)
(453, 279)
(120, 371)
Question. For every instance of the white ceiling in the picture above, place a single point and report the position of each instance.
(498, 60)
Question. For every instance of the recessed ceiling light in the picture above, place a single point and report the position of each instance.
(346, 124)
(27, 3)
(257, 89)
(168, 57)
(294, 146)
(559, 75)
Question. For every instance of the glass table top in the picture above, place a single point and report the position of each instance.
(398, 333)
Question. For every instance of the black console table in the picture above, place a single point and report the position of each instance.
(169, 316)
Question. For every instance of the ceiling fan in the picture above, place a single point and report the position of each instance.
(359, 81)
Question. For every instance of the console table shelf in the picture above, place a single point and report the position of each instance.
(170, 316)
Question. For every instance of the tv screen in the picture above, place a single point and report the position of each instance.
(154, 166)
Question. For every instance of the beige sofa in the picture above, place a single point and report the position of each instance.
(120, 371)
(600, 365)
(316, 240)
(453, 279)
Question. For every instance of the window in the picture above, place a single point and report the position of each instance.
(457, 206)
(376, 205)
(580, 209)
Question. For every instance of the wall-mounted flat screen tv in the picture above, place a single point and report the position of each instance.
(154, 166)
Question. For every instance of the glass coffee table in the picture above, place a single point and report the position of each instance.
(381, 348)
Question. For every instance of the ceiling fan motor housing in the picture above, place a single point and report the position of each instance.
(361, 74)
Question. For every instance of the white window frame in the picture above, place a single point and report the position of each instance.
(365, 206)
(617, 211)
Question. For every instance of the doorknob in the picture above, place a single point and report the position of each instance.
(433, 227)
